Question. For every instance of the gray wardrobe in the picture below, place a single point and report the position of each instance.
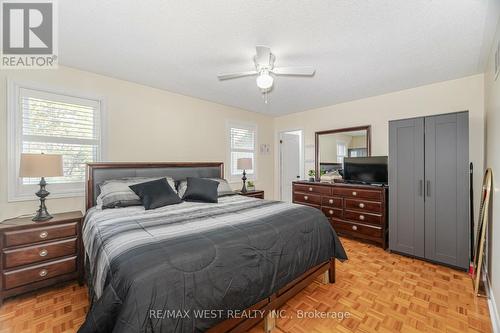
(429, 188)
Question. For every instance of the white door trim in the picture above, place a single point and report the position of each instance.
(301, 154)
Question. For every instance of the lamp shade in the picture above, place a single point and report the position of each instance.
(41, 165)
(244, 164)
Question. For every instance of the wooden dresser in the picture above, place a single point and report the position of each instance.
(40, 254)
(353, 210)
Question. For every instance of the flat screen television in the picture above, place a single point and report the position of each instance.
(365, 170)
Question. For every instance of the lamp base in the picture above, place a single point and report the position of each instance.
(42, 214)
(244, 178)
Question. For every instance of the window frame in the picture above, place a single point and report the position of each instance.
(16, 191)
(346, 154)
(245, 125)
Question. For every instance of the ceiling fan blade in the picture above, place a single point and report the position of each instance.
(263, 55)
(301, 70)
(227, 76)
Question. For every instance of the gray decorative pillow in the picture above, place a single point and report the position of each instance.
(223, 189)
(117, 193)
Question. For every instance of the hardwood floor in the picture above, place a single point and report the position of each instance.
(382, 292)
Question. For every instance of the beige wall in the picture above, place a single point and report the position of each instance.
(492, 106)
(143, 124)
(328, 146)
(444, 97)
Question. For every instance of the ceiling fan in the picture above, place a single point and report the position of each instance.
(264, 67)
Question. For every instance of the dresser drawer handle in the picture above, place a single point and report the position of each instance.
(310, 189)
(354, 228)
(361, 217)
(331, 212)
(44, 234)
(43, 273)
(330, 201)
(306, 197)
(43, 253)
(354, 193)
(361, 205)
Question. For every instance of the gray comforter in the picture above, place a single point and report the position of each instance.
(154, 271)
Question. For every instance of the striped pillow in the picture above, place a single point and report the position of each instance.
(116, 193)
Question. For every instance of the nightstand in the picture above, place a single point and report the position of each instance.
(253, 194)
(40, 254)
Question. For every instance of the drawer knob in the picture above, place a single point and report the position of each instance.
(361, 217)
(331, 212)
(354, 193)
(43, 253)
(330, 201)
(361, 205)
(44, 234)
(306, 197)
(354, 228)
(43, 273)
(310, 189)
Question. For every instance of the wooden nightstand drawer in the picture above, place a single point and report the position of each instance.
(34, 254)
(31, 274)
(39, 234)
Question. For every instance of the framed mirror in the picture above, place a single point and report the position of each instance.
(333, 145)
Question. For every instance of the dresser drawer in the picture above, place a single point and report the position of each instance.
(318, 189)
(24, 276)
(362, 217)
(354, 229)
(332, 212)
(357, 193)
(39, 234)
(314, 199)
(331, 202)
(37, 253)
(365, 206)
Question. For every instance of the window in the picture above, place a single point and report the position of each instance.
(52, 123)
(341, 152)
(242, 144)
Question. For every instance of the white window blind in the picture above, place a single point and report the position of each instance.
(242, 140)
(341, 152)
(53, 123)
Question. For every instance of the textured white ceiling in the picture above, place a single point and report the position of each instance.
(359, 48)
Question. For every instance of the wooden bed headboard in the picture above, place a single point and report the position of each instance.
(96, 173)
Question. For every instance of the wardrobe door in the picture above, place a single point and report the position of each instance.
(447, 188)
(406, 186)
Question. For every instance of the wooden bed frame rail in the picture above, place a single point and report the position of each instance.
(276, 300)
(267, 306)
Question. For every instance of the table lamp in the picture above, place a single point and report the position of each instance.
(244, 164)
(41, 165)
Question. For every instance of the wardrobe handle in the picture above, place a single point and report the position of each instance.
(420, 187)
(428, 188)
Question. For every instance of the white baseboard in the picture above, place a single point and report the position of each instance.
(492, 305)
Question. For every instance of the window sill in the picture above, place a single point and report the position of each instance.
(33, 197)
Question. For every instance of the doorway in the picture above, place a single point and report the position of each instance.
(291, 158)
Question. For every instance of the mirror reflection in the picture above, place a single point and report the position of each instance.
(334, 147)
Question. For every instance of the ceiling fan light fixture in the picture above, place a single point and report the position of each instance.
(264, 81)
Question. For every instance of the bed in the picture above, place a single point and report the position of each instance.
(196, 267)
